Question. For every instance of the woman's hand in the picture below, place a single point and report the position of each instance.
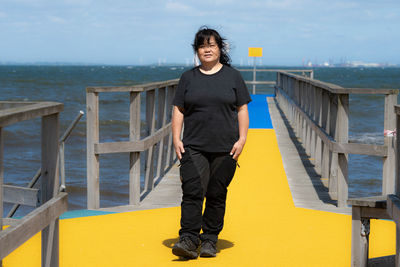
(237, 149)
(177, 122)
(178, 145)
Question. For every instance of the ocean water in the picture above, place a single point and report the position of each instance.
(66, 84)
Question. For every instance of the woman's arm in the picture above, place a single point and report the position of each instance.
(177, 122)
(243, 118)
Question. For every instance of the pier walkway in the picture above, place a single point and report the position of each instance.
(278, 214)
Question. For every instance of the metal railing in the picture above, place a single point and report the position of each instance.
(319, 114)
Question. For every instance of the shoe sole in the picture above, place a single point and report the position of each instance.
(207, 255)
(178, 251)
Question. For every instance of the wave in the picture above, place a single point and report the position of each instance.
(367, 138)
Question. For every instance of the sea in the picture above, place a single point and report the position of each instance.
(67, 84)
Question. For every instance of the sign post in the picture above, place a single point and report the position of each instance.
(255, 52)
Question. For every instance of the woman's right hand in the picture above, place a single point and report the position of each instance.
(178, 145)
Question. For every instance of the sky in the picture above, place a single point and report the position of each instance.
(161, 31)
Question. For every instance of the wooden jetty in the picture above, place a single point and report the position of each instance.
(287, 205)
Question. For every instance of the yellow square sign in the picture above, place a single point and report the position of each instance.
(255, 51)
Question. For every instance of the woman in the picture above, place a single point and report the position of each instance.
(211, 100)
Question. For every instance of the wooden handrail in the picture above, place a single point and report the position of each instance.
(319, 112)
(45, 217)
(158, 135)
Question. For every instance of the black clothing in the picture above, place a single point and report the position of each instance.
(210, 108)
(204, 175)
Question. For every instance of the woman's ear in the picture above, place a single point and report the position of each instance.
(196, 60)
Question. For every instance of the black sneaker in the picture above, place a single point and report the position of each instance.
(208, 249)
(185, 248)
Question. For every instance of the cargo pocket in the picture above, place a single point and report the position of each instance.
(190, 178)
(187, 169)
(226, 170)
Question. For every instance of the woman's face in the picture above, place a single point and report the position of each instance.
(209, 52)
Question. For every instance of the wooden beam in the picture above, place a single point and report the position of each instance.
(1, 179)
(389, 161)
(14, 104)
(372, 91)
(360, 149)
(92, 158)
(15, 235)
(338, 89)
(132, 146)
(49, 184)
(359, 239)
(135, 88)
(261, 82)
(275, 70)
(20, 195)
(134, 157)
(10, 221)
(27, 112)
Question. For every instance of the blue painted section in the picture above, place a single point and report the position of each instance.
(259, 112)
(83, 213)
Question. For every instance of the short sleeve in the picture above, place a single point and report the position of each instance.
(242, 93)
(179, 98)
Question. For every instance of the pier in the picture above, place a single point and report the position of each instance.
(287, 205)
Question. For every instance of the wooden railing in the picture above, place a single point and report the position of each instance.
(254, 82)
(393, 200)
(386, 206)
(158, 134)
(52, 202)
(319, 114)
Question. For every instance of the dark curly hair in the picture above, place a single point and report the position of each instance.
(204, 34)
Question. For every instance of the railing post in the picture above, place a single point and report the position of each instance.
(333, 156)
(318, 120)
(134, 157)
(397, 182)
(150, 119)
(343, 137)
(49, 184)
(160, 124)
(325, 124)
(92, 137)
(170, 151)
(1, 180)
(388, 176)
(314, 116)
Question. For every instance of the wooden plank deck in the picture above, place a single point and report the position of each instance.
(167, 193)
(308, 189)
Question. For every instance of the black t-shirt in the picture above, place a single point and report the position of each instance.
(210, 108)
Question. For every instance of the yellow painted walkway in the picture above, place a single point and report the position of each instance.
(262, 227)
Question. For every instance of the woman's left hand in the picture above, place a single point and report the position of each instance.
(237, 149)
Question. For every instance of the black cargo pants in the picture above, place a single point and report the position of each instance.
(204, 175)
